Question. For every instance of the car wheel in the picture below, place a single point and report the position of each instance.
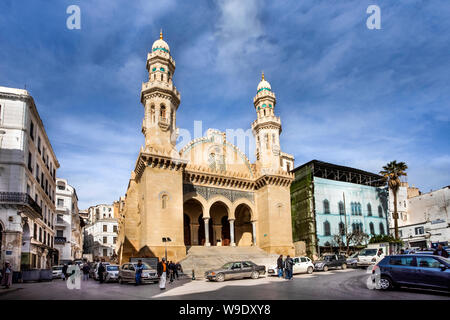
(344, 266)
(385, 283)
(255, 275)
(325, 268)
(220, 277)
(309, 270)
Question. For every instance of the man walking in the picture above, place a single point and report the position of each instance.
(101, 269)
(139, 268)
(162, 273)
(288, 265)
(280, 266)
(175, 270)
(64, 272)
(7, 275)
(171, 271)
(86, 270)
(440, 251)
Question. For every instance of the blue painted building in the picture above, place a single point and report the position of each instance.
(330, 201)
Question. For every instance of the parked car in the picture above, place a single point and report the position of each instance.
(301, 265)
(127, 273)
(236, 270)
(112, 273)
(413, 270)
(330, 261)
(57, 272)
(352, 260)
(95, 270)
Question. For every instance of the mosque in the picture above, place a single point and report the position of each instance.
(208, 193)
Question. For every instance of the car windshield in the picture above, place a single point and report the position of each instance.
(368, 252)
(112, 268)
(146, 266)
(446, 260)
(227, 265)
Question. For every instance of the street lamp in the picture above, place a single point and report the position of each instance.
(165, 240)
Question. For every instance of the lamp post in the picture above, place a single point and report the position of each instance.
(165, 240)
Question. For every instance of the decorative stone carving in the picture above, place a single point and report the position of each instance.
(208, 192)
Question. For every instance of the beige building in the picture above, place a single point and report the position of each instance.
(208, 193)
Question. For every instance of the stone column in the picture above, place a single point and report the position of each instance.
(254, 232)
(232, 233)
(207, 243)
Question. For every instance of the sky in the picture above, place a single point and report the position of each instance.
(346, 94)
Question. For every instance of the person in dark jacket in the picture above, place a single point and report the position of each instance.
(101, 270)
(138, 276)
(161, 269)
(280, 266)
(64, 272)
(86, 270)
(440, 251)
(171, 271)
(177, 269)
(288, 265)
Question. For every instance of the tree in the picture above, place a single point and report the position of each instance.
(357, 238)
(392, 173)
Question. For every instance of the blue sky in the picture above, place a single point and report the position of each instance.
(345, 94)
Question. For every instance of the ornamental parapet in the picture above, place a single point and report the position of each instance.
(160, 88)
(157, 158)
(274, 177)
(202, 175)
(267, 122)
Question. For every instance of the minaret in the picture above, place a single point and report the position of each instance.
(160, 99)
(266, 128)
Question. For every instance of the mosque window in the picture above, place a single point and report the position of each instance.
(162, 112)
(259, 108)
(270, 106)
(154, 69)
(162, 69)
(152, 113)
(266, 138)
(264, 105)
(164, 200)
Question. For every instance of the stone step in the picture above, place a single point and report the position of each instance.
(202, 258)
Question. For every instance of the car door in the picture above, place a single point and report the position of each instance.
(332, 261)
(123, 272)
(430, 274)
(303, 264)
(236, 270)
(247, 269)
(402, 269)
(296, 268)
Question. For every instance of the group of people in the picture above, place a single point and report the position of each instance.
(285, 266)
(167, 270)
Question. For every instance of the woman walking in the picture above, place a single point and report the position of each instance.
(7, 275)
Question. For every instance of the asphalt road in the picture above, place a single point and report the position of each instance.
(335, 285)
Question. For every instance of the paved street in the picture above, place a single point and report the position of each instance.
(336, 284)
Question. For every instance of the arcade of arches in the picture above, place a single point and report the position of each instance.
(218, 225)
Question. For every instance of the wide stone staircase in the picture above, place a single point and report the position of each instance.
(201, 258)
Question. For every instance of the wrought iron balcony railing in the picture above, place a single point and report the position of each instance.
(60, 240)
(20, 198)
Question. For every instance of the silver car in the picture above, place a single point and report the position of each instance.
(112, 273)
(127, 273)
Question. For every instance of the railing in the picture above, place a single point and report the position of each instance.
(20, 198)
(60, 240)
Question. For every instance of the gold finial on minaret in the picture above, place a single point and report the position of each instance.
(160, 34)
(262, 76)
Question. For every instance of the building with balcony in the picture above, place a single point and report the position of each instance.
(330, 202)
(27, 184)
(69, 224)
(101, 231)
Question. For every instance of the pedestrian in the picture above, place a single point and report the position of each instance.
(440, 251)
(402, 251)
(288, 265)
(86, 270)
(139, 268)
(161, 269)
(7, 274)
(280, 266)
(101, 269)
(171, 271)
(64, 272)
(175, 270)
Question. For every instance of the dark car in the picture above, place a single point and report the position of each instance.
(413, 270)
(236, 270)
(330, 261)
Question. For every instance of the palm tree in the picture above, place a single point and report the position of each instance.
(392, 173)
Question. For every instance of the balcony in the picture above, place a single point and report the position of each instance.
(22, 200)
(60, 240)
(164, 123)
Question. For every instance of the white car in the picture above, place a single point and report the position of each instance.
(368, 257)
(112, 272)
(57, 272)
(301, 265)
